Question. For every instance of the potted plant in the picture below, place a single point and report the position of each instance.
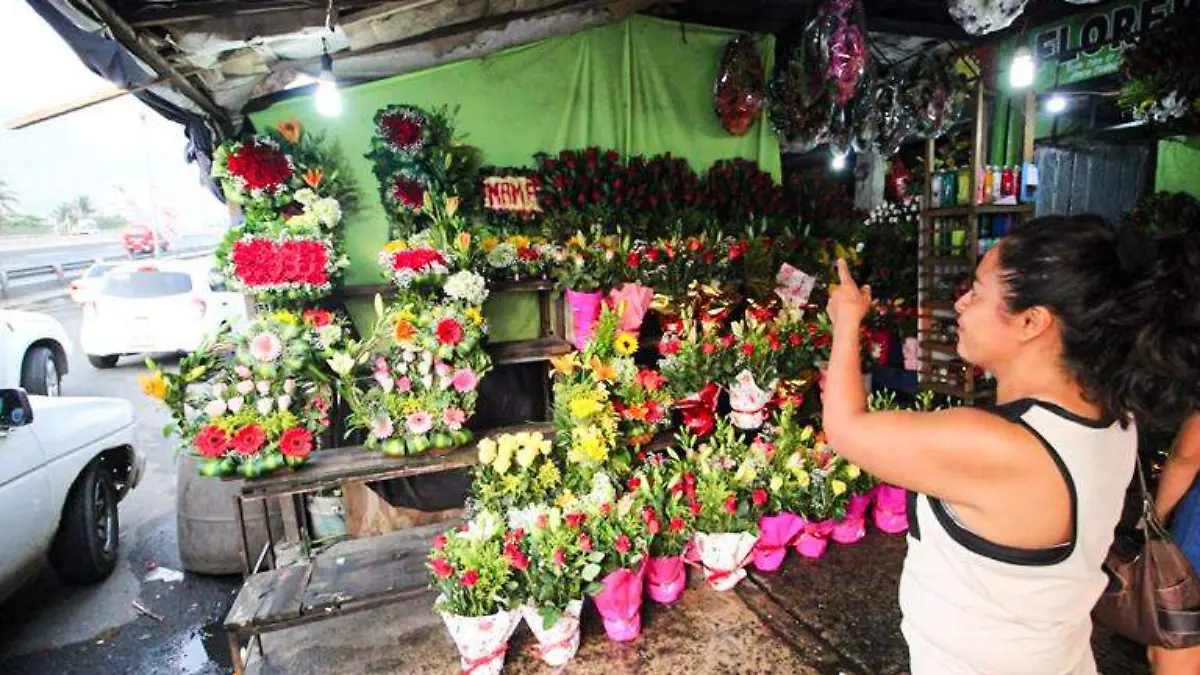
(827, 497)
(584, 269)
(782, 523)
(620, 532)
(477, 584)
(670, 515)
(727, 526)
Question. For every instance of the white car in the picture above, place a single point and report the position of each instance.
(65, 463)
(85, 287)
(34, 352)
(154, 307)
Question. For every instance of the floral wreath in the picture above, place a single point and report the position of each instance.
(404, 128)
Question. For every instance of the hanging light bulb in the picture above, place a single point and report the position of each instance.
(1023, 69)
(328, 99)
(1056, 104)
(837, 160)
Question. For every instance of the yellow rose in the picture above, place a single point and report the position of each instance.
(838, 487)
(503, 462)
(852, 471)
(489, 244)
(487, 451)
(527, 455)
(519, 240)
(154, 385)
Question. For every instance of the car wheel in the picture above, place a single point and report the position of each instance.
(40, 373)
(85, 548)
(103, 362)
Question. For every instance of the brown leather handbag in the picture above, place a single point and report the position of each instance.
(1153, 594)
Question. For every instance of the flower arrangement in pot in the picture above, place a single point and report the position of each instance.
(475, 573)
(828, 495)
(262, 407)
(565, 566)
(784, 446)
(619, 529)
(516, 256)
(426, 362)
(643, 404)
(670, 513)
(585, 267)
(727, 525)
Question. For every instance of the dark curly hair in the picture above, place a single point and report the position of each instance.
(1128, 308)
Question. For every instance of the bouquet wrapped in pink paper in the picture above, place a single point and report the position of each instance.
(585, 309)
(669, 490)
(666, 577)
(729, 504)
(632, 301)
(620, 603)
(853, 527)
(891, 509)
(776, 533)
(620, 533)
(814, 538)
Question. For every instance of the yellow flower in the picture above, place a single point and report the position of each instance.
(284, 316)
(474, 315)
(566, 499)
(548, 475)
(577, 241)
(519, 240)
(489, 244)
(838, 487)
(566, 364)
(852, 471)
(527, 455)
(154, 385)
(625, 344)
(590, 444)
(507, 444)
(802, 478)
(776, 483)
(406, 314)
(503, 462)
(545, 447)
(806, 434)
(583, 408)
(487, 451)
(745, 473)
(393, 246)
(604, 372)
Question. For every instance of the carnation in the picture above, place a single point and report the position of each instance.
(467, 286)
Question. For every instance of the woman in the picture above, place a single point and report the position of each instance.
(1177, 487)
(1012, 509)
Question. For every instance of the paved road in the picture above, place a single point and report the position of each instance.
(49, 628)
(24, 254)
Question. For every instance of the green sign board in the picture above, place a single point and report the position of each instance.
(1090, 44)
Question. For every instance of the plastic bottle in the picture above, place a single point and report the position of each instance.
(950, 189)
(988, 178)
(935, 186)
(1007, 186)
(964, 186)
(997, 179)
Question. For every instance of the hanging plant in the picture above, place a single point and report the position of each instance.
(1161, 79)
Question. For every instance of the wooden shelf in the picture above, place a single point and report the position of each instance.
(529, 351)
(977, 210)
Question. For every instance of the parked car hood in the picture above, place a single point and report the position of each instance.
(66, 423)
(17, 316)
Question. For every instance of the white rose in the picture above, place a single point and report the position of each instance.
(236, 403)
(285, 402)
(245, 387)
(264, 406)
(215, 408)
(264, 387)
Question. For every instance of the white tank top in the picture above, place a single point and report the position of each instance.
(973, 607)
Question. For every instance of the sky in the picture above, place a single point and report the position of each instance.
(121, 154)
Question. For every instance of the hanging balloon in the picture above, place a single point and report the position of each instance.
(739, 90)
(798, 110)
(979, 17)
(895, 123)
(865, 127)
(837, 38)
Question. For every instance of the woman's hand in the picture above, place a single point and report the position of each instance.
(848, 303)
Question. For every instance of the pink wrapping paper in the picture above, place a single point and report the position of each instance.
(665, 579)
(632, 300)
(723, 556)
(557, 644)
(585, 309)
(853, 527)
(813, 541)
(891, 509)
(775, 535)
(482, 640)
(620, 603)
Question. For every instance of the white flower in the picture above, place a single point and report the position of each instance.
(218, 389)
(215, 408)
(526, 518)
(425, 366)
(235, 404)
(264, 406)
(305, 196)
(327, 211)
(484, 526)
(603, 491)
(409, 356)
(289, 386)
(504, 255)
(264, 387)
(341, 363)
(467, 286)
(328, 335)
(245, 387)
(427, 381)
(285, 402)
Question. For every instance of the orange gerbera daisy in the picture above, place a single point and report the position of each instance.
(403, 331)
(313, 177)
(290, 130)
(604, 372)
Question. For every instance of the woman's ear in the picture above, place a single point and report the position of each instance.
(1035, 322)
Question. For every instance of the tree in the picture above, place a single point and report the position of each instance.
(8, 201)
(84, 208)
(64, 217)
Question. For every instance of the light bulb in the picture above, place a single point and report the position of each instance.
(1056, 104)
(837, 161)
(328, 99)
(1022, 71)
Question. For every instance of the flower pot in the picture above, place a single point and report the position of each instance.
(853, 527)
(632, 300)
(814, 539)
(482, 640)
(585, 309)
(620, 603)
(891, 509)
(723, 555)
(775, 535)
(558, 643)
(666, 578)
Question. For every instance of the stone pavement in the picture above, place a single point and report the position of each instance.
(834, 616)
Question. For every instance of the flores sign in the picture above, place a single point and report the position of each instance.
(1090, 45)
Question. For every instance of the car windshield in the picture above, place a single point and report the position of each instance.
(146, 284)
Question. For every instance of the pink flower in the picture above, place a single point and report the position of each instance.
(454, 418)
(242, 371)
(442, 568)
(419, 422)
(470, 578)
(266, 347)
(442, 368)
(404, 385)
(560, 557)
(381, 365)
(464, 380)
(623, 544)
(382, 427)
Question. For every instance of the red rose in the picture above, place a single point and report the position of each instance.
(249, 439)
(773, 342)
(738, 249)
(677, 524)
(727, 341)
(623, 544)
(409, 193)
(442, 568)
(709, 348)
(515, 536)
(606, 508)
(694, 508)
(748, 349)
(470, 578)
(633, 260)
(795, 339)
(759, 497)
(654, 412)
(401, 131)
(439, 542)
(669, 347)
(318, 318)
(731, 505)
(652, 255)
(585, 543)
(560, 557)
(260, 166)
(574, 520)
(515, 557)
(296, 443)
(449, 332)
(211, 442)
(634, 483)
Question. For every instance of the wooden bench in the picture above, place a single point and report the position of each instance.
(349, 577)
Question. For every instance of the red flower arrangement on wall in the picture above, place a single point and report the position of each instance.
(264, 263)
(261, 166)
